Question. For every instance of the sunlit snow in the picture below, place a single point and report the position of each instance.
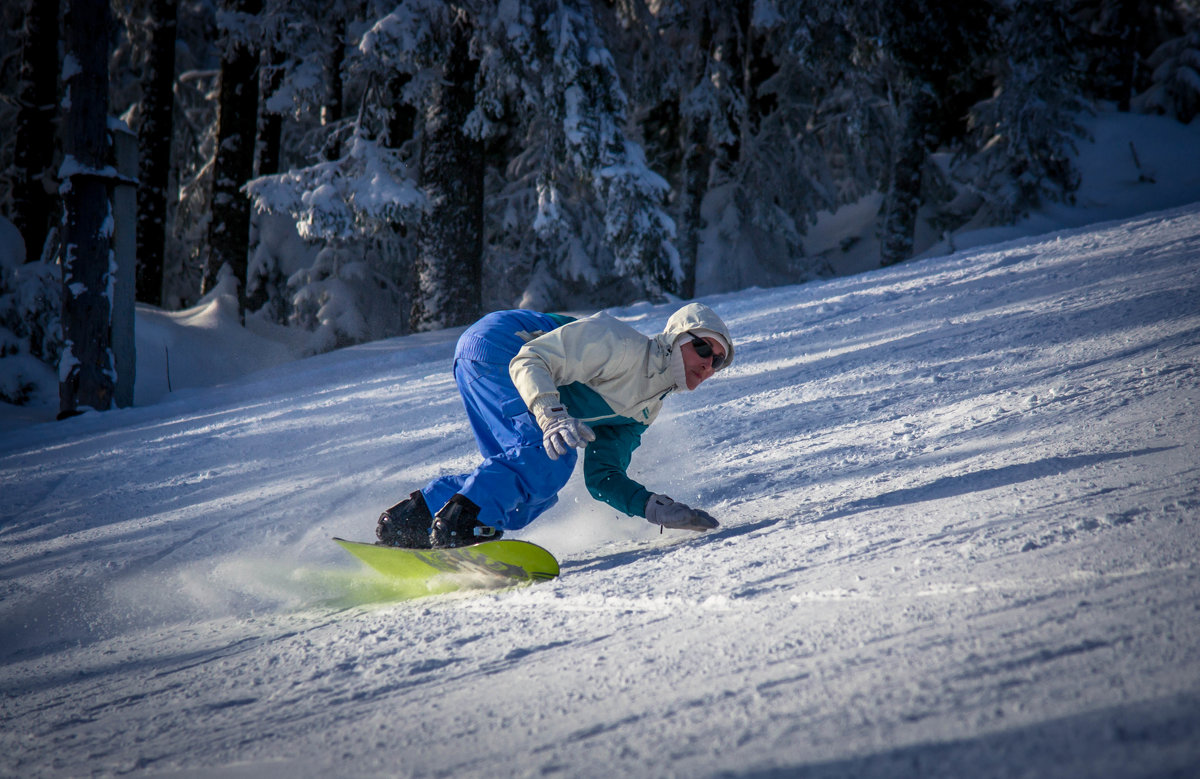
(960, 500)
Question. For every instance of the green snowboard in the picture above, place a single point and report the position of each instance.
(489, 564)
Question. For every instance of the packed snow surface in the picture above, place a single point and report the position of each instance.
(960, 500)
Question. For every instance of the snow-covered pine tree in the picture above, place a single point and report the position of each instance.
(758, 166)
(913, 144)
(404, 53)
(1175, 76)
(574, 198)
(30, 330)
(233, 166)
(265, 277)
(290, 95)
(31, 289)
(341, 204)
(426, 54)
(840, 90)
(583, 93)
(578, 211)
(193, 149)
(269, 146)
(933, 46)
(678, 94)
(333, 109)
(449, 252)
(1023, 136)
(1115, 38)
(823, 143)
(339, 271)
(760, 114)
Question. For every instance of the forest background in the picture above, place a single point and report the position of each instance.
(353, 170)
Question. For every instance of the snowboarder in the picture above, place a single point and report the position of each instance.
(538, 386)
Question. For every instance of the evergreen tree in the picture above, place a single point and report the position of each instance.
(450, 236)
(1175, 76)
(1115, 38)
(602, 136)
(233, 166)
(696, 107)
(269, 146)
(333, 108)
(264, 277)
(1023, 136)
(676, 56)
(933, 46)
(759, 115)
(347, 284)
(819, 140)
(192, 153)
(587, 108)
(578, 209)
(31, 290)
(571, 199)
(908, 162)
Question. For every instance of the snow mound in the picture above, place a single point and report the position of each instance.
(203, 346)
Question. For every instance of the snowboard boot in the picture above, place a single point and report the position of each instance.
(406, 524)
(457, 524)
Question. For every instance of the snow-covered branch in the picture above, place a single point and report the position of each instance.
(355, 196)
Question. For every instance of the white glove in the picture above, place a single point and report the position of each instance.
(561, 432)
(661, 510)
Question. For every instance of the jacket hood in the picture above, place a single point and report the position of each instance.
(702, 320)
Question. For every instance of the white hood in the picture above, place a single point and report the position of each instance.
(703, 321)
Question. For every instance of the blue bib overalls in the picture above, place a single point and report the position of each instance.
(517, 481)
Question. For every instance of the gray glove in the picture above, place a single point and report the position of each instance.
(561, 432)
(661, 510)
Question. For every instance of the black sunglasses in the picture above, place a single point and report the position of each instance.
(704, 350)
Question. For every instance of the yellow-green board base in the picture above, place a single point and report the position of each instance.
(489, 564)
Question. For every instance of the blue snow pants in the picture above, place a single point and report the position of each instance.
(517, 481)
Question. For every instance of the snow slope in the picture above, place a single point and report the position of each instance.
(960, 502)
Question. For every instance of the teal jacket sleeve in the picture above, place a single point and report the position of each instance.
(605, 463)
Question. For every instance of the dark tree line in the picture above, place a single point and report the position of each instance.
(363, 168)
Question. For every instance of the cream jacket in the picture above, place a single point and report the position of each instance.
(629, 371)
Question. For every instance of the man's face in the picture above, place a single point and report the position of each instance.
(698, 368)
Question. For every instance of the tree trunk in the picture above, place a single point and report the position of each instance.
(334, 107)
(265, 284)
(904, 197)
(270, 124)
(450, 237)
(1128, 23)
(33, 184)
(87, 376)
(237, 112)
(697, 159)
(154, 144)
(402, 120)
